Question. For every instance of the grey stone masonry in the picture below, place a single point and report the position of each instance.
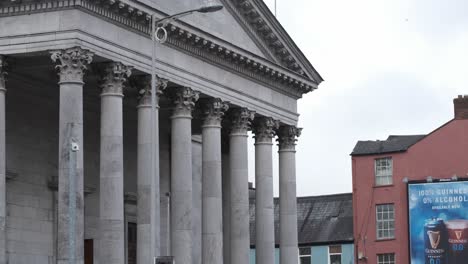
(264, 130)
(184, 100)
(287, 184)
(146, 182)
(112, 244)
(226, 208)
(197, 199)
(2, 163)
(240, 119)
(212, 201)
(71, 64)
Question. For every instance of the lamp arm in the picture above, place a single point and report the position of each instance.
(163, 22)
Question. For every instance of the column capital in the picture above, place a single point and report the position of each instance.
(213, 111)
(287, 137)
(144, 90)
(241, 120)
(184, 99)
(115, 75)
(71, 63)
(3, 72)
(265, 129)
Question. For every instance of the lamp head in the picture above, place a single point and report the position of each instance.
(210, 8)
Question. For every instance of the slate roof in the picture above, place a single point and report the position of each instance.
(392, 144)
(324, 219)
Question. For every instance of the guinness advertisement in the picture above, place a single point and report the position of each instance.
(438, 222)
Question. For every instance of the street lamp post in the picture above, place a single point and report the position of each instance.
(159, 35)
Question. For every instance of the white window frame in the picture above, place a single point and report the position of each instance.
(384, 217)
(300, 256)
(335, 254)
(386, 261)
(383, 177)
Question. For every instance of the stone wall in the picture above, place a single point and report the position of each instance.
(31, 147)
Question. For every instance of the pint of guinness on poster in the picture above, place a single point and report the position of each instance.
(438, 222)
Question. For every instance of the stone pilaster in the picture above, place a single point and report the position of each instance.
(184, 100)
(240, 121)
(71, 65)
(287, 137)
(264, 130)
(148, 229)
(212, 204)
(112, 243)
(3, 258)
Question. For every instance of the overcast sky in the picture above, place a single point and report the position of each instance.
(390, 67)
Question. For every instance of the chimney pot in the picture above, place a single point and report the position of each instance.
(460, 105)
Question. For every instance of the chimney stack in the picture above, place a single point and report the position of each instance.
(460, 105)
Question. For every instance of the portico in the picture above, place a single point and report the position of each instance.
(211, 86)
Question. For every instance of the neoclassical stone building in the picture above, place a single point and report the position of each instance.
(220, 75)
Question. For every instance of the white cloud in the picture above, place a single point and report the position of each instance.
(390, 67)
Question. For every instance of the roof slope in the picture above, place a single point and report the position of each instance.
(320, 219)
(392, 144)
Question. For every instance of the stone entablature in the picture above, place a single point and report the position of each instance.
(185, 37)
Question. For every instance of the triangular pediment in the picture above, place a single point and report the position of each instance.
(247, 24)
(271, 35)
(224, 24)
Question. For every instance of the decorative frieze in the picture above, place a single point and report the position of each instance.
(265, 129)
(290, 81)
(213, 111)
(71, 63)
(287, 137)
(116, 74)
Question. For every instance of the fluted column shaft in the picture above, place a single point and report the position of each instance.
(264, 216)
(239, 181)
(112, 244)
(212, 203)
(181, 168)
(146, 182)
(288, 201)
(71, 64)
(2, 163)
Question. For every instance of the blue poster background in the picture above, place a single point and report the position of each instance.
(444, 200)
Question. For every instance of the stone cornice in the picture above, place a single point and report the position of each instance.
(257, 14)
(182, 36)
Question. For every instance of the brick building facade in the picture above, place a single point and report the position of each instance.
(381, 171)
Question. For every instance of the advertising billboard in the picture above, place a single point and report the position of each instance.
(438, 222)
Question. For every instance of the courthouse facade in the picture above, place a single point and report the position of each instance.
(220, 75)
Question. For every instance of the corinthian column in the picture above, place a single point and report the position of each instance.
(112, 246)
(212, 201)
(148, 201)
(184, 100)
(71, 64)
(239, 181)
(264, 130)
(2, 163)
(288, 201)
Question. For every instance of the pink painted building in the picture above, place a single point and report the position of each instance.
(381, 171)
